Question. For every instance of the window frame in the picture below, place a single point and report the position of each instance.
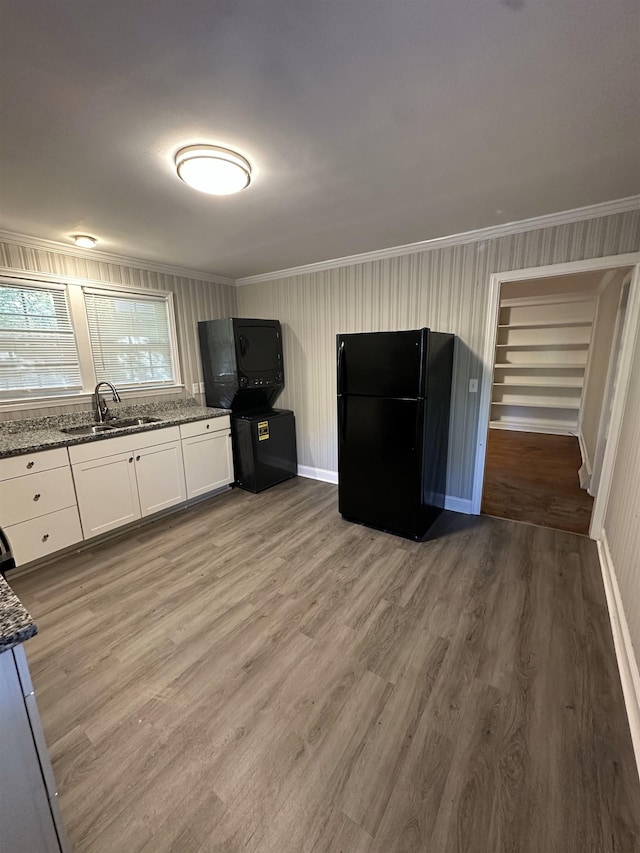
(151, 296)
(75, 289)
(60, 288)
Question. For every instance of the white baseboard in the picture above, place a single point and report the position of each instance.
(586, 461)
(454, 504)
(458, 504)
(627, 663)
(318, 474)
(584, 453)
(545, 429)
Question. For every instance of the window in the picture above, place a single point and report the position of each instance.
(38, 352)
(130, 339)
(61, 339)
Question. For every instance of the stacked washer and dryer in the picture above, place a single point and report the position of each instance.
(244, 372)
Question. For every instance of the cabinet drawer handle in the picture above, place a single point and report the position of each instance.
(208, 426)
(45, 537)
(137, 458)
(131, 459)
(30, 464)
(36, 497)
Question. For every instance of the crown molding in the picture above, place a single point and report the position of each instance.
(607, 208)
(107, 257)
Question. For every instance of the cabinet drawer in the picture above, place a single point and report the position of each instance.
(38, 494)
(31, 463)
(104, 447)
(41, 536)
(205, 427)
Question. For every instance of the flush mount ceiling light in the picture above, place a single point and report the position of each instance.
(84, 241)
(213, 170)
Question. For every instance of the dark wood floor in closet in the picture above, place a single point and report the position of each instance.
(255, 675)
(533, 477)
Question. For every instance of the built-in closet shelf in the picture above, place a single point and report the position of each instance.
(540, 365)
(543, 391)
(530, 404)
(551, 325)
(544, 346)
(532, 383)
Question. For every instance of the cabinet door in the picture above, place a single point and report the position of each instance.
(208, 463)
(160, 474)
(107, 493)
(26, 824)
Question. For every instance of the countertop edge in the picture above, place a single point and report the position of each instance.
(16, 624)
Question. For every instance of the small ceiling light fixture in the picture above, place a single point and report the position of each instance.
(84, 241)
(213, 170)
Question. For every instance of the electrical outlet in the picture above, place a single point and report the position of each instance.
(202, 387)
(194, 388)
(473, 386)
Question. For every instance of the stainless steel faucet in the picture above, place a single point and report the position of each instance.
(100, 409)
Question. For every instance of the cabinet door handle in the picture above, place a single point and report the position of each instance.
(30, 464)
(131, 459)
(137, 458)
(208, 426)
(45, 537)
(36, 497)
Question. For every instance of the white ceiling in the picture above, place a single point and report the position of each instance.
(370, 123)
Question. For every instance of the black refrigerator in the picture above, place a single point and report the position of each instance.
(394, 397)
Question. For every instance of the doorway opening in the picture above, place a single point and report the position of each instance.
(553, 381)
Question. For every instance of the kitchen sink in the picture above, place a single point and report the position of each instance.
(88, 429)
(127, 422)
(96, 429)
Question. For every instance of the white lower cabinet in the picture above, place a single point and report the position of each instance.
(208, 463)
(160, 475)
(116, 485)
(29, 814)
(107, 493)
(115, 480)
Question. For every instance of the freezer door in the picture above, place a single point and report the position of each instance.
(383, 364)
(379, 462)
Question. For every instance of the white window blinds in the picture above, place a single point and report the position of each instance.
(130, 339)
(38, 353)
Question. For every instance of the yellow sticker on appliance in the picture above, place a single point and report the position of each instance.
(263, 430)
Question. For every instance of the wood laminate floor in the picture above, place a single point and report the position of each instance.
(533, 477)
(255, 675)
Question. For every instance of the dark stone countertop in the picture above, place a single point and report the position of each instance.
(16, 625)
(29, 436)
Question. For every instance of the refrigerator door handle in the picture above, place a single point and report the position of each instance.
(341, 368)
(419, 429)
(342, 417)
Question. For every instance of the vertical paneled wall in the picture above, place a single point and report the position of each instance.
(443, 288)
(193, 300)
(622, 521)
